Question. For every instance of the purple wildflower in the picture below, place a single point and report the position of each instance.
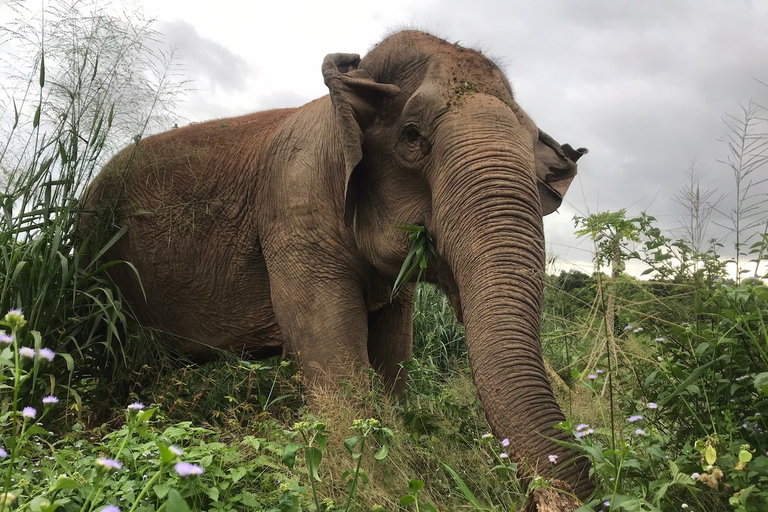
(3, 453)
(634, 418)
(47, 354)
(592, 376)
(106, 463)
(653, 405)
(627, 328)
(187, 469)
(110, 508)
(505, 442)
(503, 455)
(27, 352)
(640, 432)
(50, 400)
(5, 338)
(135, 407)
(29, 412)
(581, 426)
(552, 458)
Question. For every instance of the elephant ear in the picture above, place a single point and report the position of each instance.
(555, 170)
(355, 97)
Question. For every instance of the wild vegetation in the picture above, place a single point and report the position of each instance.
(664, 381)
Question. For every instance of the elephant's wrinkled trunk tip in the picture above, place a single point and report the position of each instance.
(574, 154)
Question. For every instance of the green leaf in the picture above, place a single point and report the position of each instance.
(351, 442)
(161, 490)
(212, 492)
(382, 452)
(40, 504)
(42, 70)
(407, 500)
(289, 454)
(321, 441)
(235, 474)
(166, 455)
(314, 456)
(710, 455)
(745, 456)
(463, 488)
(176, 503)
(761, 382)
(687, 382)
(64, 482)
(415, 486)
(145, 415)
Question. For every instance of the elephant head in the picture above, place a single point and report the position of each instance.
(432, 135)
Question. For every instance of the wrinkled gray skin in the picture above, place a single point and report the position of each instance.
(276, 230)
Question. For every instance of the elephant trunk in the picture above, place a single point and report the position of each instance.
(489, 231)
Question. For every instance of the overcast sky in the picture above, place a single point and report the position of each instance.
(644, 85)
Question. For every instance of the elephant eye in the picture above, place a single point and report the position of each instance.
(411, 133)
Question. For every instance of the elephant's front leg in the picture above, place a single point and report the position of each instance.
(390, 339)
(323, 321)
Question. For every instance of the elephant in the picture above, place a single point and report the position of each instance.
(277, 231)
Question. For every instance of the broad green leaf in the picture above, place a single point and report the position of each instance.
(212, 492)
(235, 474)
(161, 490)
(289, 454)
(166, 455)
(745, 456)
(176, 503)
(415, 486)
(313, 456)
(40, 504)
(351, 442)
(64, 482)
(382, 452)
(710, 455)
(761, 382)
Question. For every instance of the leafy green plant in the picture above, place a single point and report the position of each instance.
(369, 430)
(422, 249)
(83, 84)
(314, 445)
(412, 497)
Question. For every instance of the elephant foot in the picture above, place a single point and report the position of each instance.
(556, 497)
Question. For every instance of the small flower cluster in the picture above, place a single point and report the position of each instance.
(583, 429)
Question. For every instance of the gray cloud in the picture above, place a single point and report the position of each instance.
(210, 64)
(643, 85)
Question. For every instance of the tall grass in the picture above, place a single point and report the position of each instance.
(83, 83)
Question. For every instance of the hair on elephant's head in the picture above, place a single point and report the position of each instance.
(432, 135)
